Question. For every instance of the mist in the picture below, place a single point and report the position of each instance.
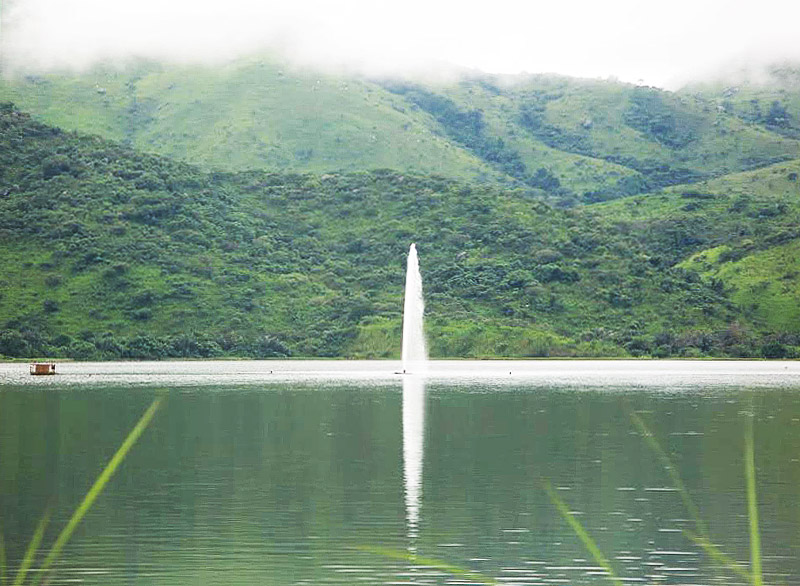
(659, 44)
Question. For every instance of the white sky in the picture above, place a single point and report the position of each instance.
(659, 43)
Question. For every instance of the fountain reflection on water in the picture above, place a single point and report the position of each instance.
(413, 450)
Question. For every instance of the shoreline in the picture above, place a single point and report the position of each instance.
(433, 360)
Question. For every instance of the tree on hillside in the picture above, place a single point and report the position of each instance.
(777, 115)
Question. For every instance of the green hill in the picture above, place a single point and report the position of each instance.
(576, 140)
(764, 283)
(107, 252)
(250, 114)
(770, 100)
(622, 139)
(739, 232)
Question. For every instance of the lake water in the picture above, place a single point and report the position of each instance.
(295, 472)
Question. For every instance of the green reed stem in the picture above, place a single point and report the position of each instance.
(672, 472)
(2, 560)
(33, 547)
(752, 502)
(717, 555)
(582, 534)
(431, 562)
(703, 538)
(97, 488)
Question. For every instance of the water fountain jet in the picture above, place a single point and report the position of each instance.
(415, 353)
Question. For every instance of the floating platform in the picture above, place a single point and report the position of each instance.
(43, 368)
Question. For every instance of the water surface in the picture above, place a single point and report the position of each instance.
(326, 472)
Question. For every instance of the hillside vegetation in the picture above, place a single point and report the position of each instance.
(770, 99)
(601, 140)
(740, 231)
(107, 252)
(573, 140)
(250, 114)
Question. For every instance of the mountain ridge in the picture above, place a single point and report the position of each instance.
(574, 140)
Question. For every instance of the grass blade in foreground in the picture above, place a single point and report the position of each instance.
(702, 538)
(2, 560)
(672, 471)
(576, 526)
(97, 488)
(752, 503)
(721, 558)
(431, 562)
(33, 547)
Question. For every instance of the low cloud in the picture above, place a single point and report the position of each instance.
(662, 44)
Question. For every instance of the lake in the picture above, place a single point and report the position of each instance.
(335, 472)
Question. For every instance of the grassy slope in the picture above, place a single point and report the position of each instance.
(740, 230)
(500, 107)
(599, 139)
(766, 283)
(666, 129)
(753, 100)
(251, 114)
(104, 249)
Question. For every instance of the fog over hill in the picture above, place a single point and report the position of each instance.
(649, 43)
